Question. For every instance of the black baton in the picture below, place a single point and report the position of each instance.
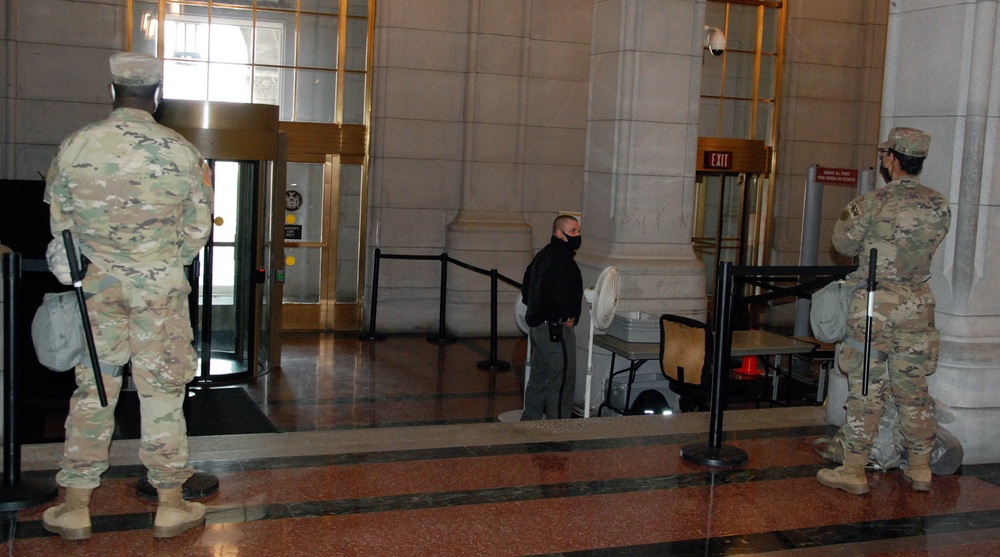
(868, 324)
(74, 272)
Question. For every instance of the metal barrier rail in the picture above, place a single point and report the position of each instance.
(18, 492)
(715, 453)
(442, 337)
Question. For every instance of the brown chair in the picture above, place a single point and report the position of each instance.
(686, 360)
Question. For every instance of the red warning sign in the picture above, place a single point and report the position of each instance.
(837, 176)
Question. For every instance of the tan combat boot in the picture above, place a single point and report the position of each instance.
(174, 515)
(71, 520)
(850, 477)
(918, 471)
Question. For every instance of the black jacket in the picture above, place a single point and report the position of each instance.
(552, 288)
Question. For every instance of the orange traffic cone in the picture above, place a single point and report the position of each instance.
(749, 366)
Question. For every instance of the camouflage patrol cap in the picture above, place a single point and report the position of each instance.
(134, 68)
(907, 141)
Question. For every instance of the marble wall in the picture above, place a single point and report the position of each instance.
(54, 65)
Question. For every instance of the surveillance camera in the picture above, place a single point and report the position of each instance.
(715, 40)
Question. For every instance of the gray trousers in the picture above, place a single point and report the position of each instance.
(552, 382)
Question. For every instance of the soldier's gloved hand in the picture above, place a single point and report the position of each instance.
(55, 254)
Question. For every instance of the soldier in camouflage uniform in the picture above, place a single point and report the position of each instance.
(905, 222)
(138, 198)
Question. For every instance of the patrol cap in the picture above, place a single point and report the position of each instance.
(907, 141)
(135, 68)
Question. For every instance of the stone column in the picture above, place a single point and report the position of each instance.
(642, 137)
(940, 77)
(524, 115)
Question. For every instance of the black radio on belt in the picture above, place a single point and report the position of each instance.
(555, 330)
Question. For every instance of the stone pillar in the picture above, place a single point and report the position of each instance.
(939, 76)
(642, 137)
(524, 116)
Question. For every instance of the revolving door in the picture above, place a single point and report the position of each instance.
(235, 279)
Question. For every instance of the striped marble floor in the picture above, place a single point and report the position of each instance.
(469, 485)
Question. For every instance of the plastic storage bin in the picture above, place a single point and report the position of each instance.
(635, 326)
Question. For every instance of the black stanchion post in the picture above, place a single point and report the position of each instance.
(442, 337)
(18, 492)
(371, 334)
(493, 364)
(715, 453)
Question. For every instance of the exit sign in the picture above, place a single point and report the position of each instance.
(718, 160)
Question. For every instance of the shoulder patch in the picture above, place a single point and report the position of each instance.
(206, 175)
(854, 209)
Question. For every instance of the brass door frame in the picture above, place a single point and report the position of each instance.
(241, 132)
(320, 316)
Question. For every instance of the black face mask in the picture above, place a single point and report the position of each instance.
(573, 242)
(884, 172)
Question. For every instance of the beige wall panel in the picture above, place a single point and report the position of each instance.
(426, 50)
(421, 139)
(659, 95)
(424, 95)
(416, 229)
(432, 15)
(554, 146)
(556, 103)
(47, 122)
(62, 73)
(558, 60)
(603, 90)
(419, 183)
(490, 187)
(494, 143)
(658, 149)
(561, 20)
(502, 17)
(82, 24)
(499, 54)
(497, 98)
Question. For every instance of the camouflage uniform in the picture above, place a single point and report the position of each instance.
(905, 221)
(137, 197)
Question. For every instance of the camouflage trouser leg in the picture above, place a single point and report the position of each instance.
(154, 332)
(88, 431)
(163, 363)
(903, 330)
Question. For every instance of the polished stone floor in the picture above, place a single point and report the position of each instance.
(393, 448)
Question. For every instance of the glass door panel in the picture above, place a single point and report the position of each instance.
(323, 216)
(729, 221)
(307, 241)
(228, 286)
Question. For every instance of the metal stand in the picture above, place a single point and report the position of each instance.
(493, 364)
(715, 454)
(442, 336)
(372, 334)
(18, 492)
